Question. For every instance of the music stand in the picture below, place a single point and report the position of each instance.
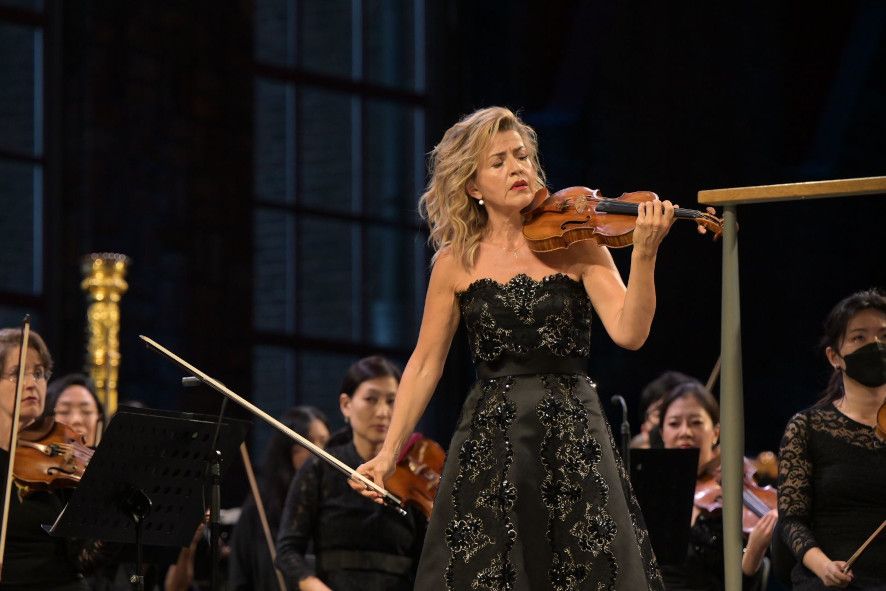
(664, 483)
(146, 482)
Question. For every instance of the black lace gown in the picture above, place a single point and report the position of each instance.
(533, 496)
(832, 494)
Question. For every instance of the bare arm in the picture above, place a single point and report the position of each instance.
(627, 312)
(439, 322)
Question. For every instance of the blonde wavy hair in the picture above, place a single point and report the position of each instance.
(456, 220)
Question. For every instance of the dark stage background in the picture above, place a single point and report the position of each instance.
(260, 163)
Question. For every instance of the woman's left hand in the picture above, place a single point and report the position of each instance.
(654, 220)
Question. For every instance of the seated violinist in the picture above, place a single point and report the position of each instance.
(359, 544)
(832, 465)
(691, 419)
(34, 559)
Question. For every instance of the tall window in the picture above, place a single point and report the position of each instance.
(339, 261)
(22, 26)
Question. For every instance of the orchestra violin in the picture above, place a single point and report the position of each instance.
(49, 455)
(757, 500)
(417, 476)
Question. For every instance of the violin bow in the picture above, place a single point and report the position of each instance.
(263, 517)
(13, 435)
(715, 373)
(864, 547)
(388, 498)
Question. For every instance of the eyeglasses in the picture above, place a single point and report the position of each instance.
(39, 375)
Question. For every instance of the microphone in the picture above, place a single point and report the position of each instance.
(625, 430)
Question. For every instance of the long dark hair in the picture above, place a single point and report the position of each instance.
(835, 330)
(368, 368)
(658, 388)
(695, 390)
(276, 470)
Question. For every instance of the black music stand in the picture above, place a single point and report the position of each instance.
(146, 482)
(664, 482)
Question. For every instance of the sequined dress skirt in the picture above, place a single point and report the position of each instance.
(533, 496)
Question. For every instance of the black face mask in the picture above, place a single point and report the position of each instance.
(867, 365)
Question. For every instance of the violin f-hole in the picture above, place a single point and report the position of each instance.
(567, 223)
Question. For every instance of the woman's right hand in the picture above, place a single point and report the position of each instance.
(831, 573)
(377, 469)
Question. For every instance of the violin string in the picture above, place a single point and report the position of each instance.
(613, 206)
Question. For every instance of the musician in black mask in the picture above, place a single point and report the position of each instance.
(832, 466)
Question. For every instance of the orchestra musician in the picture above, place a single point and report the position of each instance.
(72, 400)
(650, 407)
(250, 567)
(359, 545)
(35, 560)
(832, 465)
(691, 419)
(532, 495)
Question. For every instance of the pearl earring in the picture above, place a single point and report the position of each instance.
(480, 201)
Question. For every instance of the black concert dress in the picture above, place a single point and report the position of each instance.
(359, 544)
(533, 496)
(831, 483)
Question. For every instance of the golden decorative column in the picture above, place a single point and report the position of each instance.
(104, 283)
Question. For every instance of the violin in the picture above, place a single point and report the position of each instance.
(49, 455)
(757, 500)
(551, 222)
(417, 475)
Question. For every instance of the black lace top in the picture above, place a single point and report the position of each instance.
(552, 315)
(832, 487)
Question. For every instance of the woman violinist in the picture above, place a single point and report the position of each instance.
(34, 560)
(832, 465)
(532, 495)
(690, 418)
(359, 545)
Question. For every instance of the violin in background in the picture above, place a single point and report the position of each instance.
(757, 500)
(49, 455)
(417, 475)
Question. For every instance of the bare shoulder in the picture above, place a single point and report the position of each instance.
(447, 272)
